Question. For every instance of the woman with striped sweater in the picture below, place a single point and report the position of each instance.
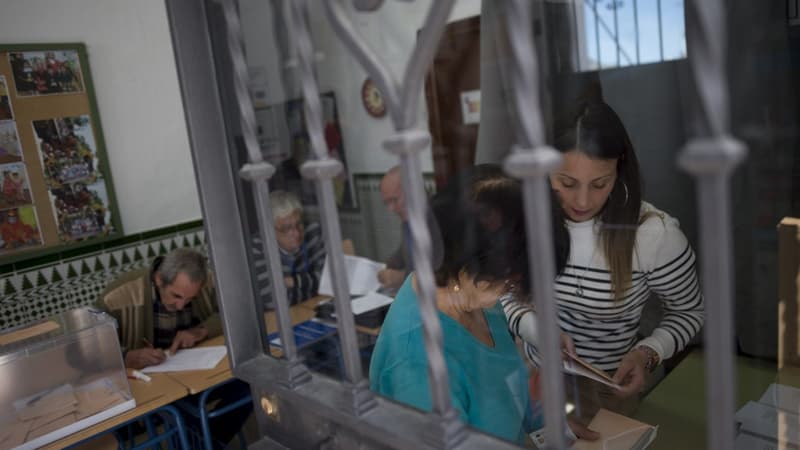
(622, 250)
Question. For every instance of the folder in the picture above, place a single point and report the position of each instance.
(617, 432)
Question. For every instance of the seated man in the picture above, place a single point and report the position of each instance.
(168, 306)
(301, 249)
(399, 264)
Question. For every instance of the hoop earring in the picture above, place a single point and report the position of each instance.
(626, 193)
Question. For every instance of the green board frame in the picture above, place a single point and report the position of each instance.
(58, 247)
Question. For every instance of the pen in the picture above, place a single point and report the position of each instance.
(147, 343)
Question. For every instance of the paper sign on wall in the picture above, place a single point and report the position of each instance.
(471, 107)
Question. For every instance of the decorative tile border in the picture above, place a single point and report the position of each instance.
(42, 286)
(51, 285)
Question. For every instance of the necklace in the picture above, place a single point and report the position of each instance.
(584, 270)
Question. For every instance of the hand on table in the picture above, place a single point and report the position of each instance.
(391, 278)
(144, 357)
(188, 338)
(631, 373)
(582, 431)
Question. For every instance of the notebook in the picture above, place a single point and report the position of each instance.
(575, 365)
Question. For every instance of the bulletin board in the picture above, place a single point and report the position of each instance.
(55, 184)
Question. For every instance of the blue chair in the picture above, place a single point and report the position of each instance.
(173, 434)
(197, 407)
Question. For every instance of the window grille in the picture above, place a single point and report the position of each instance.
(295, 405)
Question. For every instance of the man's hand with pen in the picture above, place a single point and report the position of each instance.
(144, 357)
(150, 356)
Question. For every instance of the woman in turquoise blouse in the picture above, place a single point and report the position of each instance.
(482, 230)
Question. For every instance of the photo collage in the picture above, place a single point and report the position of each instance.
(19, 225)
(77, 189)
(52, 189)
(46, 73)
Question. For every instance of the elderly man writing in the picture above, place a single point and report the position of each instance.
(167, 306)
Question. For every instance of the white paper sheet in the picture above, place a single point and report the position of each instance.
(198, 358)
(782, 396)
(362, 276)
(770, 423)
(368, 302)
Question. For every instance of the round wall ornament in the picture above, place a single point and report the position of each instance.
(372, 99)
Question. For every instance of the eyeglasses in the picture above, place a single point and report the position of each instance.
(285, 229)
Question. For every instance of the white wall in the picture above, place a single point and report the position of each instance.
(135, 81)
(391, 31)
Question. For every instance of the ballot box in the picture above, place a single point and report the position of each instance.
(60, 375)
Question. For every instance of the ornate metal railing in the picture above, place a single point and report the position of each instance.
(300, 408)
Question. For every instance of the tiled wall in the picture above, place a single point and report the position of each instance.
(37, 288)
(32, 290)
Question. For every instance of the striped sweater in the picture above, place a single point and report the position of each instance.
(304, 266)
(604, 330)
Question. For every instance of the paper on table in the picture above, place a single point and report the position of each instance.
(368, 302)
(782, 396)
(617, 432)
(198, 358)
(575, 365)
(770, 422)
(362, 276)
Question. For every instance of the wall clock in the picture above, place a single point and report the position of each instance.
(372, 99)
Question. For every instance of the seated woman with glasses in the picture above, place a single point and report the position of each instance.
(480, 217)
(301, 249)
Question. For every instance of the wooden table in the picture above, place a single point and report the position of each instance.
(167, 387)
(161, 390)
(678, 404)
(298, 313)
(197, 381)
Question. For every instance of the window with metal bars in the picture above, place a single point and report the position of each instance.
(678, 111)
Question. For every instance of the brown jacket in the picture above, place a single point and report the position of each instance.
(129, 299)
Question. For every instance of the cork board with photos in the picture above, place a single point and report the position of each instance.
(55, 186)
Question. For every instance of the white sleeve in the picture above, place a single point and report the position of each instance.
(521, 319)
(672, 275)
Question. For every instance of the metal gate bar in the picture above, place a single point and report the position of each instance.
(711, 159)
(348, 408)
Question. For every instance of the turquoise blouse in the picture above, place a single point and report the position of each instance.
(488, 386)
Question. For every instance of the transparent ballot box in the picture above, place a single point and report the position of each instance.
(60, 375)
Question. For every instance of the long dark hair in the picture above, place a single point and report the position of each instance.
(595, 130)
(481, 219)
